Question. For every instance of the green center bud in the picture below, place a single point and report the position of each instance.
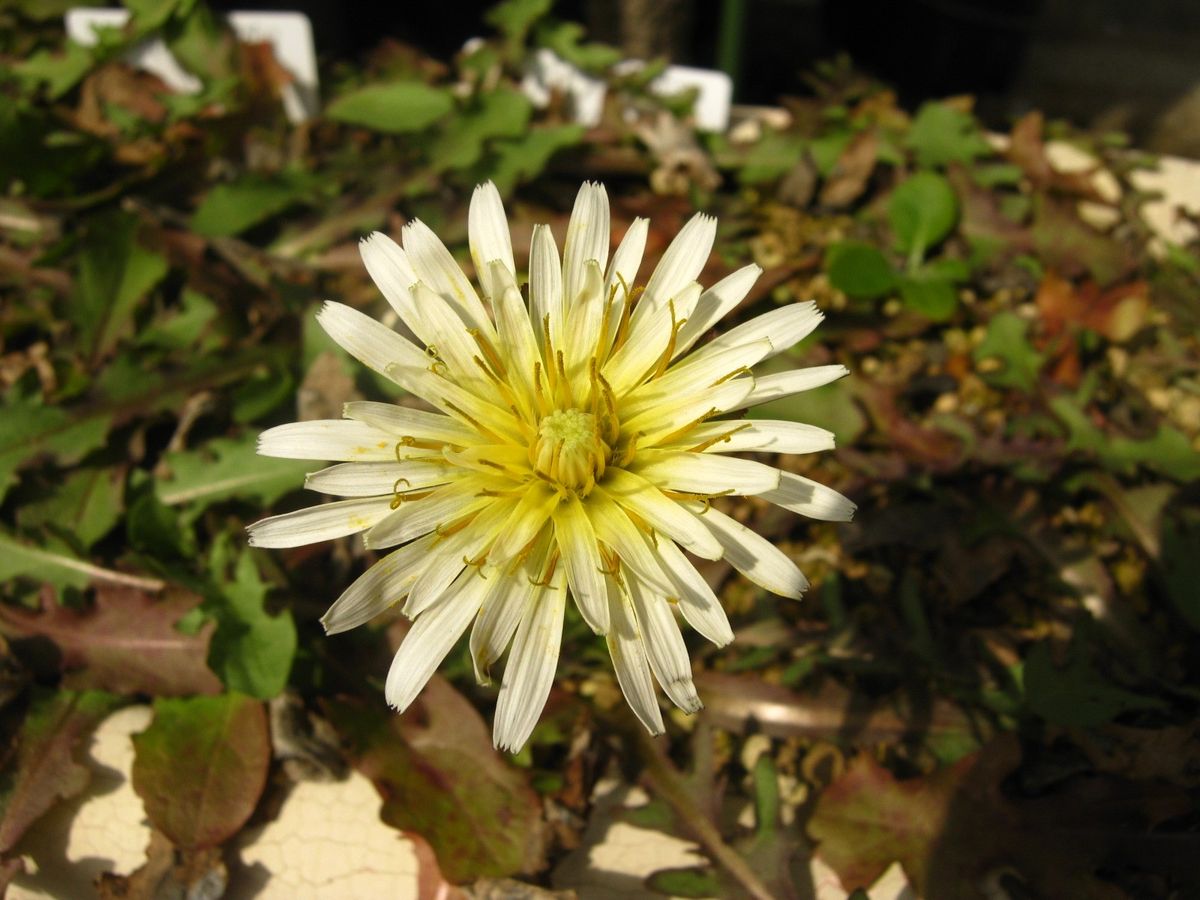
(569, 450)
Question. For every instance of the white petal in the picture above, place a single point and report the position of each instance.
(615, 529)
(332, 439)
(404, 421)
(755, 557)
(784, 384)
(373, 479)
(697, 602)
(370, 342)
(435, 266)
(759, 435)
(319, 523)
(784, 327)
(810, 498)
(375, 590)
(545, 285)
(682, 262)
(587, 240)
(389, 268)
(628, 259)
(518, 341)
(528, 518)
(622, 276)
(660, 512)
(443, 564)
(665, 648)
(414, 518)
(674, 415)
(647, 342)
(440, 327)
(430, 639)
(629, 660)
(586, 318)
(581, 558)
(695, 375)
(488, 234)
(714, 304)
(705, 473)
(531, 665)
(503, 606)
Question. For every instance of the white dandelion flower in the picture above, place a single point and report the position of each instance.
(573, 444)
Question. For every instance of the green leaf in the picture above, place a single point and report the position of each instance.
(153, 528)
(46, 768)
(204, 45)
(251, 651)
(115, 273)
(685, 883)
(940, 135)
(230, 209)
(992, 175)
(396, 108)
(522, 159)
(225, 468)
(859, 270)
(922, 212)
(31, 429)
(201, 766)
(54, 564)
(1005, 340)
(566, 39)
(1076, 695)
(772, 156)
(180, 328)
(1168, 452)
(514, 18)
(929, 294)
(86, 505)
(59, 72)
(1181, 563)
(499, 113)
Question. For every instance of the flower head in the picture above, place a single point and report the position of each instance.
(574, 443)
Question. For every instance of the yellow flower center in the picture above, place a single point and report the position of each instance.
(569, 450)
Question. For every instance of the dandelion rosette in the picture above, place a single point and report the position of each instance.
(574, 444)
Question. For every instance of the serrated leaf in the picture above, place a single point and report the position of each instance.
(251, 651)
(31, 429)
(859, 270)
(180, 328)
(499, 113)
(396, 108)
(1076, 694)
(1006, 341)
(58, 566)
(201, 766)
(46, 769)
(126, 642)
(940, 135)
(85, 506)
(59, 72)
(922, 211)
(231, 208)
(522, 159)
(1169, 451)
(227, 468)
(115, 274)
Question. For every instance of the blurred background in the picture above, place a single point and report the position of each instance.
(1102, 64)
